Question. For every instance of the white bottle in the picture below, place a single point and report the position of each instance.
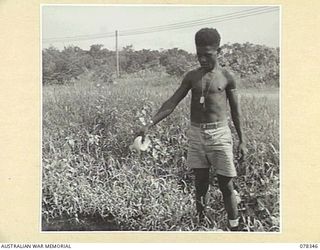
(138, 145)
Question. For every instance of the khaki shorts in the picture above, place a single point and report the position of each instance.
(211, 147)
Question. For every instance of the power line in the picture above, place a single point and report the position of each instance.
(198, 20)
(79, 36)
(225, 17)
(153, 27)
(198, 23)
(181, 25)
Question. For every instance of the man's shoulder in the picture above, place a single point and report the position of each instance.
(193, 72)
(227, 73)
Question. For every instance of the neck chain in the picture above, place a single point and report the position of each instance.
(204, 95)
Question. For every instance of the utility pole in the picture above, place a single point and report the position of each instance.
(117, 54)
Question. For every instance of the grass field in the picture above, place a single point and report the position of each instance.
(92, 181)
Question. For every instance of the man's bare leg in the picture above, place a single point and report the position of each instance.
(201, 185)
(229, 198)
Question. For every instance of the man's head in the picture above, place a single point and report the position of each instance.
(207, 42)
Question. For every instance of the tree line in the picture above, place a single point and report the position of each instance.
(250, 61)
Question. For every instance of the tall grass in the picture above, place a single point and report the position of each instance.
(89, 170)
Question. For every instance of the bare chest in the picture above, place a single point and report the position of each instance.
(209, 83)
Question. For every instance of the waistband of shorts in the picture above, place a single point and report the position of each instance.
(210, 125)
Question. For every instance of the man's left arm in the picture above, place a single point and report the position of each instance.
(232, 95)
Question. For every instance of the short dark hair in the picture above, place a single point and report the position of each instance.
(207, 37)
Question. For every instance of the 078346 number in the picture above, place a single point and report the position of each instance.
(308, 246)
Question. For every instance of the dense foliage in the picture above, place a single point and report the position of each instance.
(259, 64)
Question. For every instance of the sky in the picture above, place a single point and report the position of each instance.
(59, 21)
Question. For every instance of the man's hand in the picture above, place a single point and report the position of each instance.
(242, 150)
(143, 132)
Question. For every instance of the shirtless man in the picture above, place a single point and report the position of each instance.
(210, 141)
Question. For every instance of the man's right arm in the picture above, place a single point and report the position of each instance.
(168, 106)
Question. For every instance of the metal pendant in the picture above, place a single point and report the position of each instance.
(202, 100)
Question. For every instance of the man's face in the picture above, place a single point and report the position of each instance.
(207, 57)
